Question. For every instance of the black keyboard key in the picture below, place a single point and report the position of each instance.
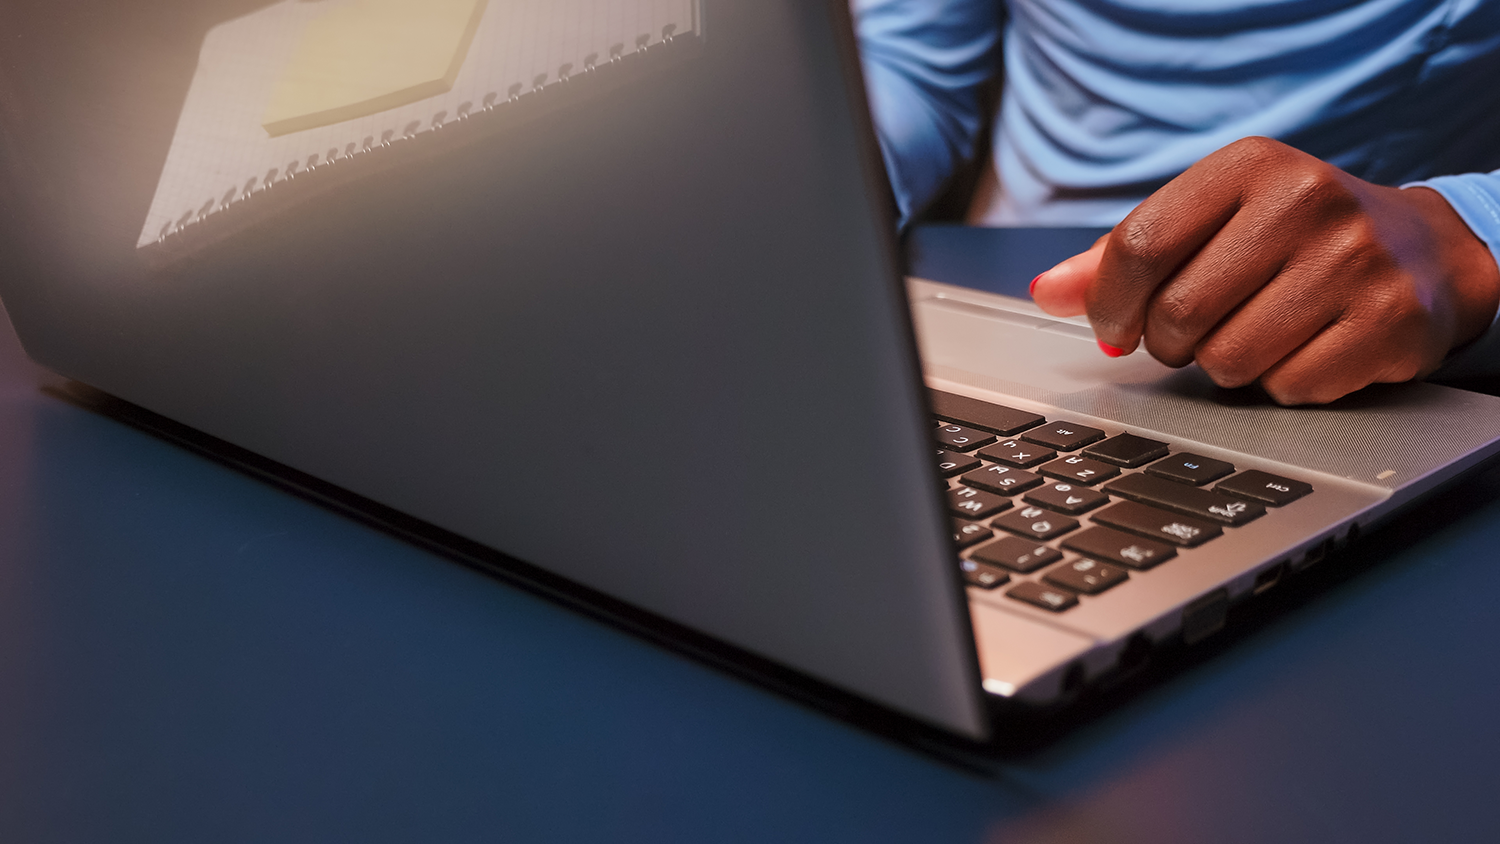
(1192, 469)
(1264, 487)
(1063, 436)
(1186, 499)
(950, 463)
(981, 575)
(994, 418)
(1021, 455)
(1080, 470)
(1016, 554)
(1087, 576)
(1046, 597)
(1158, 524)
(1001, 479)
(968, 533)
(970, 503)
(1116, 547)
(959, 438)
(1035, 523)
(1127, 450)
(1066, 498)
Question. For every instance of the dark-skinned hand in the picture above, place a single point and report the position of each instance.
(1263, 263)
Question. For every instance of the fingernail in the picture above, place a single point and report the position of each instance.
(1031, 291)
(1112, 351)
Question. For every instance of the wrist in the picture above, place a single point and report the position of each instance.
(1465, 263)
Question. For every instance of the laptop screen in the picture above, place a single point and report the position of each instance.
(607, 285)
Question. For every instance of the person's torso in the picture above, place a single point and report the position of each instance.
(1105, 100)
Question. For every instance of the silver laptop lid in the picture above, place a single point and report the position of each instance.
(604, 284)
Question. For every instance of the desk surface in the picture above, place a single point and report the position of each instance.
(190, 654)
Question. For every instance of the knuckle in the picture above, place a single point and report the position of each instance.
(1292, 392)
(1170, 353)
(1361, 234)
(1300, 380)
(1226, 364)
(1182, 312)
(1317, 188)
(1281, 393)
(1260, 157)
(1357, 247)
(1257, 148)
(1134, 242)
(1407, 360)
(1406, 368)
(1395, 311)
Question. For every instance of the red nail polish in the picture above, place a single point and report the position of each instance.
(1112, 351)
(1032, 289)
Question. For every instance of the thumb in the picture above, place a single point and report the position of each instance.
(1060, 291)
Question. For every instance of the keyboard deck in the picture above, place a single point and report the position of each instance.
(1057, 512)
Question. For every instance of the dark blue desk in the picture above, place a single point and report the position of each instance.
(188, 654)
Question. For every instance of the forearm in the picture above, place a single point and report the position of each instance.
(926, 64)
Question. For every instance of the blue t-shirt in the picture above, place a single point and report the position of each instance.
(1105, 101)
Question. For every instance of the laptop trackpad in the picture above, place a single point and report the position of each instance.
(1058, 357)
(1381, 434)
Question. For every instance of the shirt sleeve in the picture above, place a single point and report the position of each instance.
(926, 63)
(1476, 198)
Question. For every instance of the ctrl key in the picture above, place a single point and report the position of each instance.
(1055, 600)
(1264, 487)
(981, 575)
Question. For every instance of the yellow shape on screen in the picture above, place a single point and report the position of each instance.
(367, 56)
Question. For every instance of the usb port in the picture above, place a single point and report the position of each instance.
(1315, 555)
(1269, 578)
(1204, 616)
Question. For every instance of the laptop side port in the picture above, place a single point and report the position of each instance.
(1072, 680)
(1134, 656)
(1204, 616)
(1314, 555)
(1267, 579)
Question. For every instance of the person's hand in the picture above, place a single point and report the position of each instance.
(1264, 263)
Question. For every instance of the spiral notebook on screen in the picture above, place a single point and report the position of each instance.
(304, 91)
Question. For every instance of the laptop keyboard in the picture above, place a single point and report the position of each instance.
(1055, 512)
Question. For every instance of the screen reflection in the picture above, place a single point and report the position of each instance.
(304, 95)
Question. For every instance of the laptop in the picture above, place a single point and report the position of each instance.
(606, 295)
